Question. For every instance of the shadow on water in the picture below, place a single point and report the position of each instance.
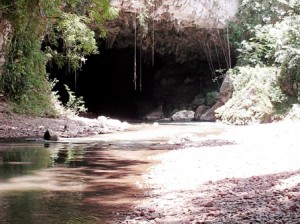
(68, 183)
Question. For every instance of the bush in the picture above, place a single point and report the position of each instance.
(256, 96)
(267, 79)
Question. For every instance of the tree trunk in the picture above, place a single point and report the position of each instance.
(5, 36)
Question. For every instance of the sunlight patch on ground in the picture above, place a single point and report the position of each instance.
(288, 183)
(190, 167)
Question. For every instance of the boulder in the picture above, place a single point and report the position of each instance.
(226, 89)
(50, 135)
(200, 111)
(225, 94)
(209, 115)
(183, 115)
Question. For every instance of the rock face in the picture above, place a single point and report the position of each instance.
(200, 111)
(225, 94)
(185, 13)
(186, 30)
(186, 88)
(176, 85)
(252, 101)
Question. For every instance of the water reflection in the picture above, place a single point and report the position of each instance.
(34, 207)
(20, 161)
(66, 183)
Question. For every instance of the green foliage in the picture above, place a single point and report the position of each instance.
(24, 81)
(254, 13)
(71, 36)
(67, 25)
(266, 35)
(257, 96)
(211, 98)
(288, 53)
(75, 104)
(259, 50)
(77, 38)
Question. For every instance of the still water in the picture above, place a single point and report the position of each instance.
(67, 183)
(85, 182)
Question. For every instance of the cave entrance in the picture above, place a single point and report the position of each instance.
(106, 83)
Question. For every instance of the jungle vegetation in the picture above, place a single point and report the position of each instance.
(266, 34)
(60, 31)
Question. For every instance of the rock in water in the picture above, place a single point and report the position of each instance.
(47, 135)
(50, 136)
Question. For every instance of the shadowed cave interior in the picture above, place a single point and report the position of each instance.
(106, 83)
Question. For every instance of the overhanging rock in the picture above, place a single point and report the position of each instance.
(182, 29)
(184, 13)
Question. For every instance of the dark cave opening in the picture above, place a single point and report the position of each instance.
(106, 82)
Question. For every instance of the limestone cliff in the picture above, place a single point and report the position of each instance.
(186, 29)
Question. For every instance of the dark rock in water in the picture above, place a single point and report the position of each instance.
(50, 136)
(47, 135)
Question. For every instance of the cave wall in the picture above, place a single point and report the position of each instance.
(184, 13)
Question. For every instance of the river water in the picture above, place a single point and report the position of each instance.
(87, 180)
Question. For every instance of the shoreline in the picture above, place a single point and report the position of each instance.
(16, 126)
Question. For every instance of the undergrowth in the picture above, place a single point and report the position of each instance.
(42, 31)
(267, 78)
(257, 97)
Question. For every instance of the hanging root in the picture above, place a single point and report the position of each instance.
(135, 39)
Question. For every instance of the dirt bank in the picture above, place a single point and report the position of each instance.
(18, 126)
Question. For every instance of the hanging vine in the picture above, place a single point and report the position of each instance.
(141, 25)
(218, 38)
(153, 33)
(135, 49)
(140, 64)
